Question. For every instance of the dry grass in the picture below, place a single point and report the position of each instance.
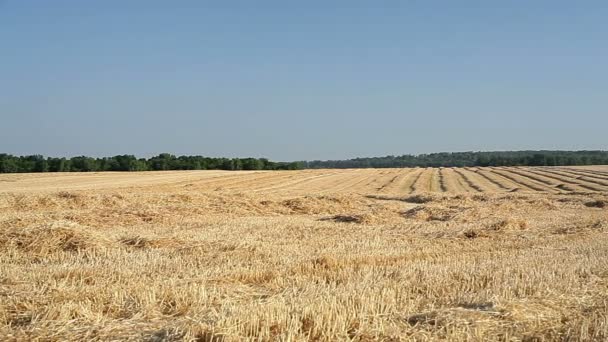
(308, 255)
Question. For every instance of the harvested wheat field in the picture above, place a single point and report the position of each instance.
(501, 253)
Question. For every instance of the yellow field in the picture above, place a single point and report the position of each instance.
(371, 254)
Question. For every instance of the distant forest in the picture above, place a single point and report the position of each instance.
(449, 159)
(165, 161)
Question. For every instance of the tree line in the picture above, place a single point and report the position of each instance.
(460, 159)
(163, 161)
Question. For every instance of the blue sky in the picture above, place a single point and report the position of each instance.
(301, 80)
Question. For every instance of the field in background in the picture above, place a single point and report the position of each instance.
(499, 253)
(365, 181)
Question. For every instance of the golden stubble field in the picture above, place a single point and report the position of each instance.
(504, 254)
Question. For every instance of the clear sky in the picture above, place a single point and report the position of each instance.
(292, 80)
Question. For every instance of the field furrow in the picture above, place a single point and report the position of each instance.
(492, 181)
(574, 184)
(532, 182)
(355, 183)
(468, 181)
(504, 182)
(379, 180)
(323, 184)
(480, 181)
(595, 172)
(541, 180)
(413, 178)
(593, 181)
(397, 182)
(332, 183)
(442, 180)
(452, 181)
(583, 173)
(301, 182)
(517, 181)
(579, 177)
(423, 181)
(435, 181)
(248, 182)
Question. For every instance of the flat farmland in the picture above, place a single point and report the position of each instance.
(475, 253)
(364, 181)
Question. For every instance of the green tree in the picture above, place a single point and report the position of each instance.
(83, 164)
(163, 161)
(8, 164)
